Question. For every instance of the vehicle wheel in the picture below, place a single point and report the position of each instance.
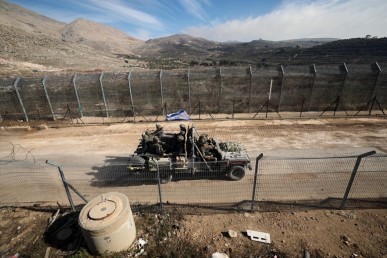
(136, 161)
(165, 179)
(236, 173)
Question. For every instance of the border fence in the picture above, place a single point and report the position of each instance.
(232, 91)
(335, 183)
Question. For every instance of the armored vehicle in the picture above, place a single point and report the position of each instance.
(187, 154)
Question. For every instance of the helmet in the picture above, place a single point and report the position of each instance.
(182, 127)
(158, 126)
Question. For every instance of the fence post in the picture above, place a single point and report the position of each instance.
(47, 97)
(378, 71)
(353, 175)
(302, 106)
(76, 94)
(312, 69)
(199, 109)
(345, 70)
(64, 184)
(255, 180)
(161, 91)
(131, 96)
(103, 95)
(159, 184)
(220, 90)
(250, 87)
(19, 98)
(189, 91)
(282, 87)
(233, 108)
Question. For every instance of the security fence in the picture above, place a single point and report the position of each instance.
(230, 92)
(335, 182)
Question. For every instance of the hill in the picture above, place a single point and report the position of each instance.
(356, 50)
(21, 18)
(107, 39)
(30, 42)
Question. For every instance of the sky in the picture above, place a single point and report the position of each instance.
(226, 20)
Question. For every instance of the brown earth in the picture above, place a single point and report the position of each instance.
(324, 233)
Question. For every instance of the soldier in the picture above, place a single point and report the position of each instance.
(205, 147)
(146, 141)
(159, 131)
(157, 147)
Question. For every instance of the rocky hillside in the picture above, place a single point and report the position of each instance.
(30, 42)
(107, 39)
(176, 47)
(23, 53)
(21, 18)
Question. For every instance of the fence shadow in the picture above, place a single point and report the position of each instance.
(115, 172)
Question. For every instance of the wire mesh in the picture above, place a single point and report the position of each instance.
(371, 179)
(280, 180)
(228, 91)
(303, 179)
(61, 92)
(27, 183)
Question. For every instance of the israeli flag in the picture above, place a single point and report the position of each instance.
(180, 115)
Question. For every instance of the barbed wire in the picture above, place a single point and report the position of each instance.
(14, 150)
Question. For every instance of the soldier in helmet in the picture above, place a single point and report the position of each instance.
(146, 141)
(157, 147)
(159, 130)
(205, 148)
(180, 139)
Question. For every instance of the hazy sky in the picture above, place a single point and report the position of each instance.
(226, 20)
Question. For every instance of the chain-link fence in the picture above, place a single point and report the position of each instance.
(232, 92)
(336, 182)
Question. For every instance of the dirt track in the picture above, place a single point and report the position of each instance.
(297, 138)
(94, 156)
(88, 152)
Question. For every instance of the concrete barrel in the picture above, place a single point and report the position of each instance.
(107, 223)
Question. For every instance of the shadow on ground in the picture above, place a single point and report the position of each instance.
(115, 172)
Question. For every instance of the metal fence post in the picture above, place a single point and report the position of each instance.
(233, 108)
(220, 89)
(313, 70)
(76, 94)
(255, 180)
(345, 70)
(353, 175)
(47, 97)
(19, 98)
(282, 87)
(161, 92)
(199, 109)
(159, 184)
(189, 91)
(131, 96)
(250, 87)
(103, 95)
(378, 71)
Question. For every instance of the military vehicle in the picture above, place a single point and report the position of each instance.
(187, 154)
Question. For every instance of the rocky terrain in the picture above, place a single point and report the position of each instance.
(30, 43)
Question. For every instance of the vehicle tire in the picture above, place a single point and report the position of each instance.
(136, 161)
(236, 173)
(165, 179)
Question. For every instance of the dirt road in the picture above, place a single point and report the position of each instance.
(94, 156)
